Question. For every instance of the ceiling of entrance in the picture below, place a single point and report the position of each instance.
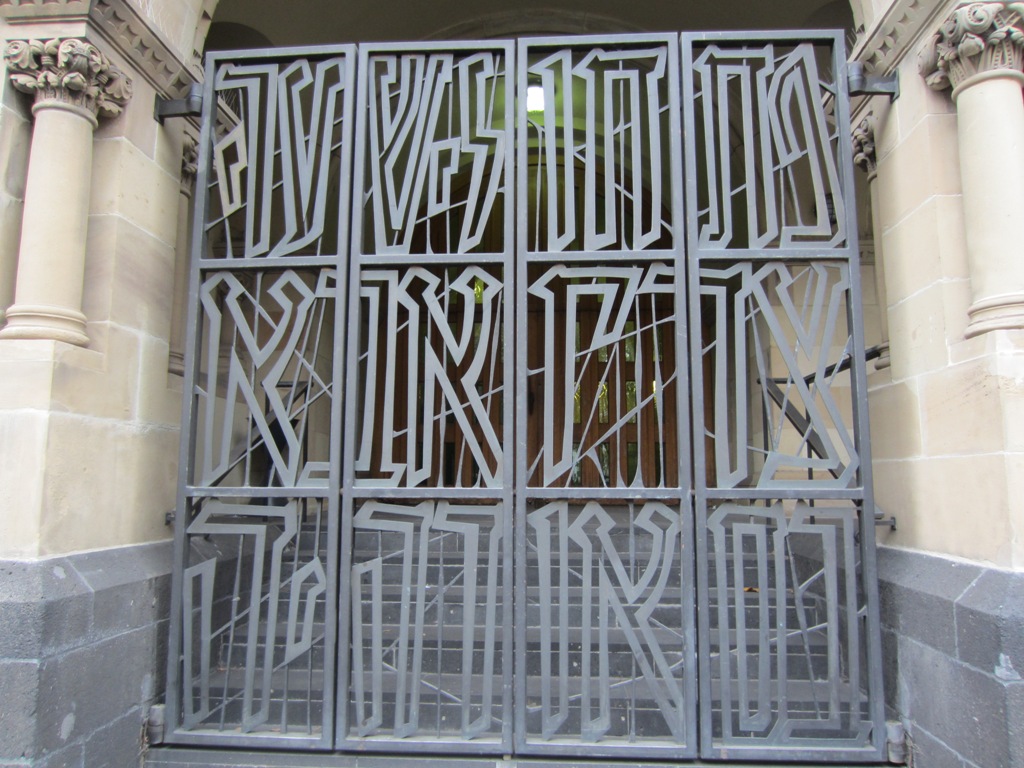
(258, 23)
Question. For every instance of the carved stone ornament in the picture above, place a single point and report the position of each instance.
(864, 147)
(189, 163)
(69, 71)
(975, 38)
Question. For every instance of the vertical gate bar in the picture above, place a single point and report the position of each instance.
(354, 330)
(510, 373)
(188, 427)
(862, 429)
(684, 390)
(698, 384)
(336, 603)
(521, 396)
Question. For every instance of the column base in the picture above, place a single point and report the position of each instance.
(884, 360)
(998, 313)
(38, 321)
(176, 363)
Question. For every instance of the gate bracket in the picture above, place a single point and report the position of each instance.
(896, 743)
(190, 106)
(863, 84)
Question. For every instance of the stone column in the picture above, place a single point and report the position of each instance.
(978, 52)
(182, 252)
(865, 158)
(73, 84)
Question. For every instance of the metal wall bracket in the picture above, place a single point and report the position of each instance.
(863, 84)
(190, 106)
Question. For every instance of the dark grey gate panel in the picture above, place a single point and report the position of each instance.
(606, 482)
(787, 598)
(253, 645)
(428, 470)
(605, 654)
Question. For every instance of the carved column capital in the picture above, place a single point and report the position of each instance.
(978, 38)
(864, 148)
(68, 73)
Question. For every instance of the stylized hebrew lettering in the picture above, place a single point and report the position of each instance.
(777, 186)
(277, 162)
(272, 589)
(598, 329)
(426, 583)
(779, 336)
(256, 404)
(432, 377)
(605, 112)
(788, 631)
(596, 599)
(436, 152)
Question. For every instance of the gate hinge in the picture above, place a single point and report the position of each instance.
(863, 84)
(155, 725)
(190, 106)
(896, 742)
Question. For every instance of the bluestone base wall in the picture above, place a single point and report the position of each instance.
(953, 647)
(83, 652)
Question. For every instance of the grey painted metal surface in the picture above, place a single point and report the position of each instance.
(790, 661)
(597, 489)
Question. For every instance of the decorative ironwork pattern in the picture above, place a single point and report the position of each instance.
(607, 610)
(605, 640)
(789, 637)
(767, 148)
(254, 604)
(427, 609)
(598, 128)
(254, 607)
(431, 378)
(428, 527)
(266, 379)
(788, 645)
(602, 376)
(613, 596)
(277, 159)
(785, 327)
(437, 138)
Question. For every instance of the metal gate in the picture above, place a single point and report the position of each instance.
(526, 404)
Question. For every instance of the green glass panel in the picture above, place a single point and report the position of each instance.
(631, 462)
(604, 456)
(630, 342)
(602, 404)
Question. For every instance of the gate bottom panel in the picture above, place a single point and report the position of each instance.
(428, 605)
(785, 652)
(605, 629)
